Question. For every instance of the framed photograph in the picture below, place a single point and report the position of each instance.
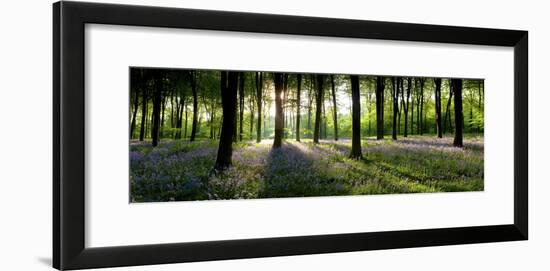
(192, 135)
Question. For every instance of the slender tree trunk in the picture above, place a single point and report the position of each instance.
(136, 105)
(241, 104)
(298, 104)
(259, 86)
(310, 102)
(356, 119)
(318, 107)
(235, 136)
(172, 118)
(470, 126)
(421, 107)
(148, 123)
(480, 102)
(186, 117)
(324, 122)
(195, 106)
(179, 113)
(380, 107)
(228, 88)
(406, 104)
(437, 82)
(448, 111)
(334, 107)
(395, 87)
(412, 107)
(285, 99)
(144, 109)
(459, 118)
(278, 79)
(212, 118)
(399, 107)
(157, 100)
(252, 101)
(163, 107)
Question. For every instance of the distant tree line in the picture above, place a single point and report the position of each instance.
(232, 106)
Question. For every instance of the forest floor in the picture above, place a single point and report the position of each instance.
(182, 170)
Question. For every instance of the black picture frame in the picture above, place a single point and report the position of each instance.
(69, 19)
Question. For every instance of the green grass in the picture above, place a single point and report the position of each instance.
(181, 170)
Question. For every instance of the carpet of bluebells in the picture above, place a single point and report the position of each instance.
(182, 170)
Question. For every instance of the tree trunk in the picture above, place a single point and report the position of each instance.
(185, 128)
(241, 104)
(400, 91)
(157, 100)
(195, 106)
(480, 102)
(406, 105)
(421, 107)
(356, 119)
(309, 102)
(259, 86)
(285, 99)
(143, 113)
(179, 113)
(448, 111)
(278, 79)
(459, 118)
(412, 107)
(172, 119)
(163, 107)
(228, 88)
(395, 88)
(136, 105)
(324, 122)
(235, 136)
(298, 104)
(318, 108)
(437, 82)
(334, 107)
(252, 101)
(380, 107)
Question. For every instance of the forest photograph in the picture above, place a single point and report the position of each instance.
(214, 134)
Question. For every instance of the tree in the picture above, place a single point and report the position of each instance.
(136, 87)
(310, 102)
(368, 95)
(395, 100)
(179, 89)
(278, 79)
(437, 90)
(318, 107)
(259, 84)
(157, 99)
(334, 111)
(144, 102)
(284, 104)
(412, 105)
(406, 103)
(380, 107)
(298, 104)
(447, 118)
(459, 117)
(195, 105)
(241, 104)
(136, 77)
(400, 102)
(420, 104)
(228, 90)
(251, 102)
(356, 119)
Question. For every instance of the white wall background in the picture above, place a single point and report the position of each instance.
(25, 136)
